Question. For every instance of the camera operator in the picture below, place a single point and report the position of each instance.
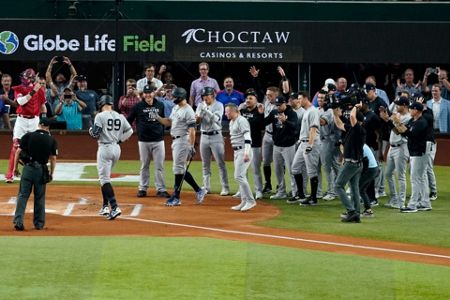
(69, 110)
(415, 130)
(350, 172)
(283, 120)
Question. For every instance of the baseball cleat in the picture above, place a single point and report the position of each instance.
(200, 195)
(267, 188)
(224, 192)
(104, 211)
(258, 196)
(239, 206)
(114, 213)
(9, 180)
(163, 194)
(141, 194)
(173, 201)
(296, 199)
(237, 195)
(308, 201)
(19, 227)
(248, 205)
(278, 196)
(433, 196)
(328, 197)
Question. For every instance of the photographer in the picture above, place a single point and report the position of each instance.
(442, 76)
(350, 172)
(128, 101)
(69, 110)
(60, 82)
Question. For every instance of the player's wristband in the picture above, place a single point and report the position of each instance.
(32, 93)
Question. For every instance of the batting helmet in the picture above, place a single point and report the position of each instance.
(179, 94)
(105, 100)
(207, 91)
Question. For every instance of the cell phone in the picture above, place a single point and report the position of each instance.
(60, 59)
(66, 96)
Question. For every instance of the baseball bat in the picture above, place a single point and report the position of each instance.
(178, 190)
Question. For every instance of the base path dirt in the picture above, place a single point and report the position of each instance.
(72, 211)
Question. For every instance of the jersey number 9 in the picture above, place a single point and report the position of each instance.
(113, 124)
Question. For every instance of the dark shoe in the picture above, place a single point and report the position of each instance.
(368, 213)
(433, 196)
(374, 203)
(351, 217)
(408, 210)
(39, 227)
(267, 188)
(19, 227)
(114, 213)
(423, 208)
(296, 199)
(173, 201)
(141, 194)
(163, 194)
(309, 201)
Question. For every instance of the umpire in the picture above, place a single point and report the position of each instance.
(36, 148)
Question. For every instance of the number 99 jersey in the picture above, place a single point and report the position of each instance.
(114, 126)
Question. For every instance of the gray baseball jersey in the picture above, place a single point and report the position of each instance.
(239, 131)
(211, 115)
(182, 118)
(268, 107)
(310, 119)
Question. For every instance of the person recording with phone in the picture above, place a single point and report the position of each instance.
(69, 110)
(129, 100)
(60, 83)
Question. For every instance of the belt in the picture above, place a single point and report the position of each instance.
(269, 132)
(396, 145)
(304, 141)
(34, 164)
(176, 137)
(238, 148)
(355, 161)
(27, 117)
(210, 132)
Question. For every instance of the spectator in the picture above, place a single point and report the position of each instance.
(164, 75)
(341, 85)
(229, 94)
(329, 86)
(408, 84)
(379, 92)
(444, 84)
(69, 110)
(60, 82)
(166, 97)
(204, 81)
(128, 101)
(89, 97)
(441, 110)
(48, 98)
(7, 98)
(149, 78)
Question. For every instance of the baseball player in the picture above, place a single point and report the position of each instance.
(267, 144)
(151, 140)
(110, 129)
(254, 113)
(30, 96)
(182, 128)
(241, 141)
(398, 155)
(209, 115)
(307, 154)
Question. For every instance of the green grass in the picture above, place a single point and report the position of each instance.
(202, 268)
(429, 228)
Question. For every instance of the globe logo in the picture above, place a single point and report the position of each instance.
(9, 42)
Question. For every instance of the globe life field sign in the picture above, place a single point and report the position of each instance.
(233, 41)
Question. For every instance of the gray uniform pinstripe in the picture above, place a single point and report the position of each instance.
(329, 153)
(115, 128)
(267, 142)
(182, 119)
(239, 132)
(397, 160)
(211, 142)
(309, 160)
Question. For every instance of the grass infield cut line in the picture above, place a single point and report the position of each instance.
(271, 236)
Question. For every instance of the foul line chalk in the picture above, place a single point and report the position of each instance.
(280, 237)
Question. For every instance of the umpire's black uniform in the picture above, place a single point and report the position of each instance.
(35, 150)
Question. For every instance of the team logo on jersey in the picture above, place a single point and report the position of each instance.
(9, 42)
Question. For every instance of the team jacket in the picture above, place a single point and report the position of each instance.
(283, 133)
(148, 127)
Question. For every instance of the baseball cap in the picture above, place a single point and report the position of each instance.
(369, 87)
(280, 100)
(330, 81)
(416, 105)
(45, 122)
(251, 92)
(67, 89)
(293, 95)
(149, 88)
(81, 78)
(402, 101)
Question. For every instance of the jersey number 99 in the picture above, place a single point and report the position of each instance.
(113, 124)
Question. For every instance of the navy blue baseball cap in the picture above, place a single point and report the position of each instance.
(402, 101)
(416, 105)
(149, 88)
(280, 100)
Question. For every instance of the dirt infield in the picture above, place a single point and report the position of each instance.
(72, 211)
